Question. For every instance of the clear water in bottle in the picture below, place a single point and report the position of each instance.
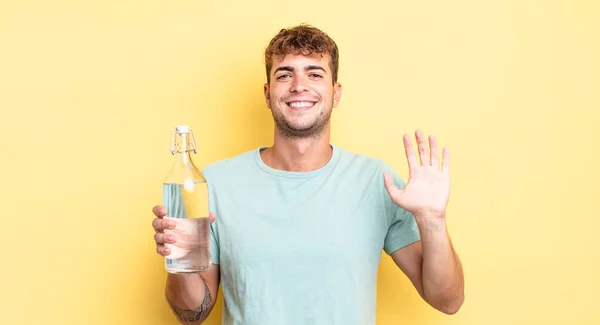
(187, 205)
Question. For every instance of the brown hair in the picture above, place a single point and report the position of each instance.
(305, 40)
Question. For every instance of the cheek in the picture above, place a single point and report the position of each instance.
(325, 91)
(276, 95)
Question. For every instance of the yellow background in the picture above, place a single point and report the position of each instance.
(90, 92)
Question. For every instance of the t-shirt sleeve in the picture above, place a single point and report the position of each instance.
(214, 244)
(214, 234)
(402, 227)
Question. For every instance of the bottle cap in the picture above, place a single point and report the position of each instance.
(182, 129)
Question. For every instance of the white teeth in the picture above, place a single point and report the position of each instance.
(301, 104)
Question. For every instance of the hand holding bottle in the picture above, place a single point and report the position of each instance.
(168, 232)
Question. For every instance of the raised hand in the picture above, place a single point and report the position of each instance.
(427, 191)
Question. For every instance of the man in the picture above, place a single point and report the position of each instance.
(300, 225)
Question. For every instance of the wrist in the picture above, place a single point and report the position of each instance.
(431, 221)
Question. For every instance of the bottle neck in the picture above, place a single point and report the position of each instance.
(183, 158)
(183, 147)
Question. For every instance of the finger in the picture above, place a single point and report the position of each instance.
(446, 160)
(423, 155)
(161, 238)
(410, 154)
(162, 224)
(433, 151)
(388, 181)
(212, 217)
(391, 187)
(163, 250)
(159, 211)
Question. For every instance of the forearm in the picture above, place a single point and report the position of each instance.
(443, 284)
(189, 297)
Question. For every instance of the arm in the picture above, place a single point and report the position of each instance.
(192, 296)
(431, 264)
(433, 268)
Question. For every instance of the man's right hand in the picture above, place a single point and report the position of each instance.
(191, 296)
(160, 225)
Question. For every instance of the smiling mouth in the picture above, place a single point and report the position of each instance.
(301, 105)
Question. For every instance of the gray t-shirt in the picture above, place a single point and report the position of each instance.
(303, 247)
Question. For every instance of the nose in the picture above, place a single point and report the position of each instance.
(299, 84)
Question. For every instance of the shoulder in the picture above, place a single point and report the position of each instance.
(227, 166)
(367, 168)
(363, 163)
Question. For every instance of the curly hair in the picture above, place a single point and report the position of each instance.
(302, 40)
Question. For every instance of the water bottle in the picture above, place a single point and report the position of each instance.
(185, 195)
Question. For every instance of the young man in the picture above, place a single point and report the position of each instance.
(300, 225)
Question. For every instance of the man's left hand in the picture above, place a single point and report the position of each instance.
(427, 191)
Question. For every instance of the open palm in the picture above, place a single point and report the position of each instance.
(428, 188)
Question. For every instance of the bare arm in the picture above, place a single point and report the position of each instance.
(434, 269)
(192, 296)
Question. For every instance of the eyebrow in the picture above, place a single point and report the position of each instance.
(291, 69)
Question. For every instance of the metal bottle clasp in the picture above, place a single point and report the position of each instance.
(192, 143)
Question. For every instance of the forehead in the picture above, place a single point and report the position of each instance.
(300, 61)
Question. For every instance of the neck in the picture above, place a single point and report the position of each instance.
(298, 154)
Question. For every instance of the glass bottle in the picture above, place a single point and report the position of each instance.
(185, 196)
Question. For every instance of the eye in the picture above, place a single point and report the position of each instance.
(283, 76)
(316, 75)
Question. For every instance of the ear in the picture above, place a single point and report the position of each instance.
(267, 93)
(337, 93)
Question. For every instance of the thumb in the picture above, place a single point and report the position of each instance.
(393, 190)
(212, 216)
(390, 186)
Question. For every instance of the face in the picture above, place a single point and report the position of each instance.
(301, 94)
